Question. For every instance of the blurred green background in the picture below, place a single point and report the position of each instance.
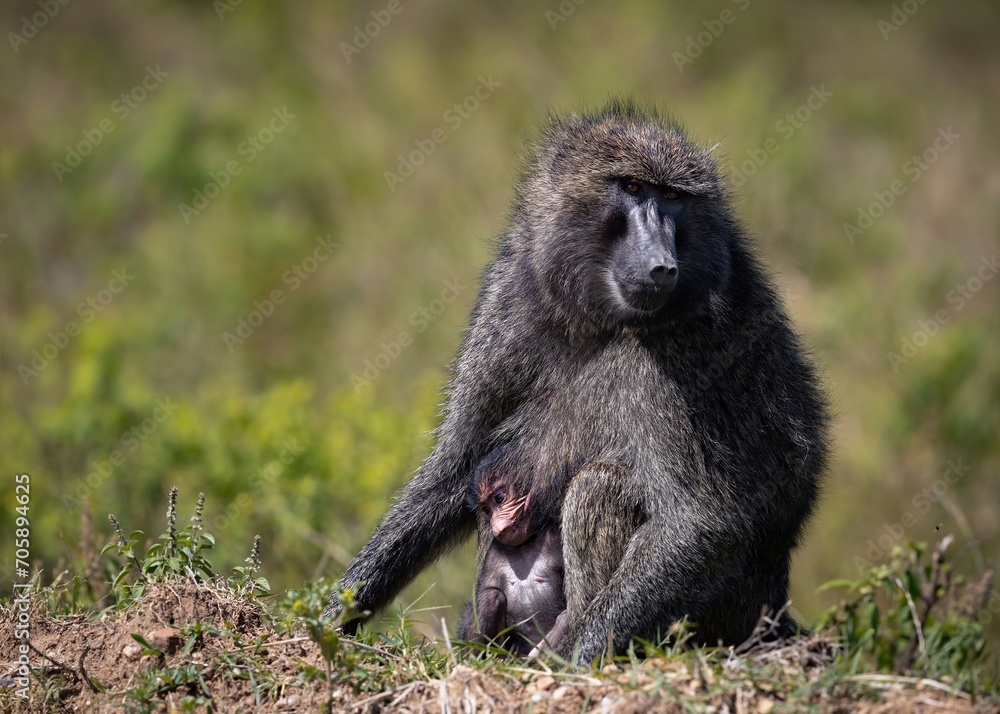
(173, 169)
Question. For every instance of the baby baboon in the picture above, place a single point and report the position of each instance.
(628, 343)
(519, 600)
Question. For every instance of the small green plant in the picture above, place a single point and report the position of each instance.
(153, 683)
(306, 608)
(177, 553)
(243, 581)
(907, 616)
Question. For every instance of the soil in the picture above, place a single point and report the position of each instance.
(240, 664)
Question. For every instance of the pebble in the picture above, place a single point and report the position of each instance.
(164, 639)
(561, 692)
(543, 683)
(292, 702)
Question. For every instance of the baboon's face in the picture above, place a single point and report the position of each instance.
(508, 510)
(629, 224)
(640, 227)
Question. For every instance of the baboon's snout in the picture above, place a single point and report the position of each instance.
(663, 270)
(653, 270)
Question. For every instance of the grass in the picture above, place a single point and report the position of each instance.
(174, 633)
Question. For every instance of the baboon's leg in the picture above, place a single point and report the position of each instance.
(598, 520)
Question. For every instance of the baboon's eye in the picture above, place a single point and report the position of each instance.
(632, 187)
(499, 498)
(671, 195)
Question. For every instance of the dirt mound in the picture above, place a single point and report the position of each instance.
(83, 663)
(202, 648)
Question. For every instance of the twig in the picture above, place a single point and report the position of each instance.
(900, 679)
(277, 643)
(376, 650)
(295, 640)
(443, 698)
(447, 641)
(927, 701)
(83, 672)
(54, 661)
(928, 595)
(917, 624)
(402, 690)
(765, 627)
(403, 693)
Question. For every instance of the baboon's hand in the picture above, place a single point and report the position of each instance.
(554, 638)
(351, 627)
(583, 641)
(582, 650)
(333, 612)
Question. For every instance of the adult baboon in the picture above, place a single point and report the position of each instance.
(519, 600)
(627, 341)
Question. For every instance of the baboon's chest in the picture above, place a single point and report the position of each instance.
(534, 585)
(618, 406)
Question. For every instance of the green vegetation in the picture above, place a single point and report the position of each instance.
(916, 618)
(238, 286)
(215, 648)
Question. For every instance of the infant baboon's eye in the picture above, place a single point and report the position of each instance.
(671, 195)
(499, 498)
(632, 187)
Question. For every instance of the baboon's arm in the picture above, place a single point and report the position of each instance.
(490, 615)
(430, 515)
(425, 520)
